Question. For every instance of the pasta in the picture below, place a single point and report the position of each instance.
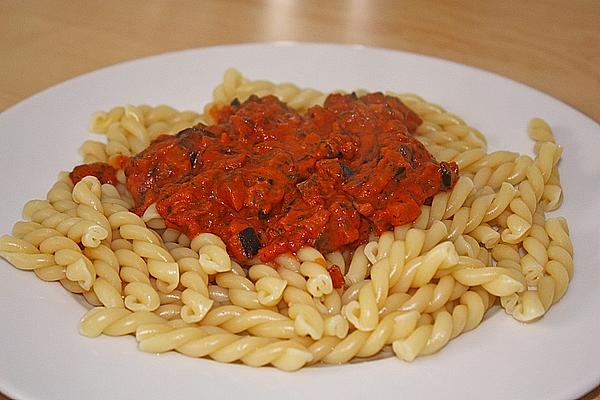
(485, 243)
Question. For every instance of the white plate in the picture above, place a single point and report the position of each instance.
(42, 355)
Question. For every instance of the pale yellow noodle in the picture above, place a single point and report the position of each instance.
(413, 288)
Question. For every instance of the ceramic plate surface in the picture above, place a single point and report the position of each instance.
(42, 355)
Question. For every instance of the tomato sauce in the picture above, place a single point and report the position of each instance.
(269, 180)
(104, 172)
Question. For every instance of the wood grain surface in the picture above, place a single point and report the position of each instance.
(551, 45)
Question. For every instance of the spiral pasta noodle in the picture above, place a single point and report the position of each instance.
(485, 243)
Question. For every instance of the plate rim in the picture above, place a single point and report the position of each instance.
(293, 43)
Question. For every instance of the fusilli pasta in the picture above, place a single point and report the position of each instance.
(486, 242)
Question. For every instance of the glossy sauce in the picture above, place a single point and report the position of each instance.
(269, 180)
(104, 172)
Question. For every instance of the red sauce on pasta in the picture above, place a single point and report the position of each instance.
(269, 180)
(104, 172)
(337, 277)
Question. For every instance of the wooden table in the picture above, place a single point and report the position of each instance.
(551, 45)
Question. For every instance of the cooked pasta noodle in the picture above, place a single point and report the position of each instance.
(485, 243)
